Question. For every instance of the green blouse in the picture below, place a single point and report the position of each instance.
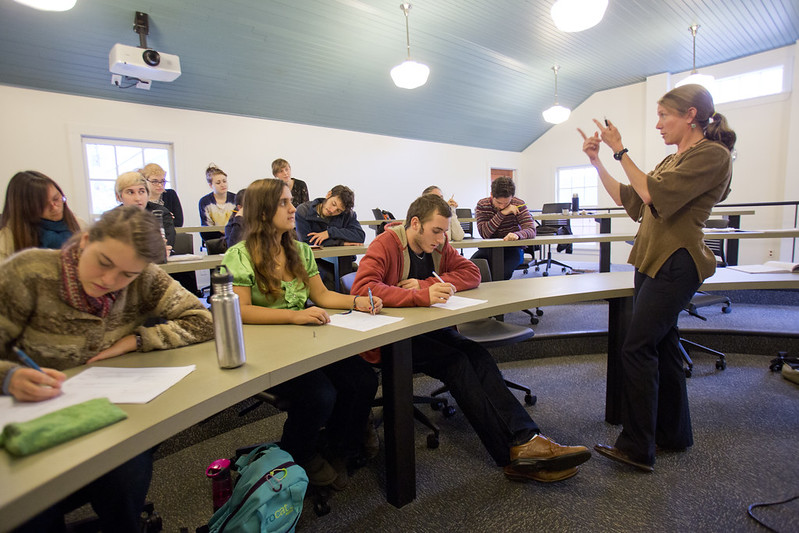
(239, 263)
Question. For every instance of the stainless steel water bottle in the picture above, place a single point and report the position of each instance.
(227, 320)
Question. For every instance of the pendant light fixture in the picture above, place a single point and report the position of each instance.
(557, 113)
(578, 15)
(705, 80)
(49, 5)
(409, 74)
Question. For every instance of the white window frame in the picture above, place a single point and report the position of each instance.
(752, 84)
(587, 188)
(108, 175)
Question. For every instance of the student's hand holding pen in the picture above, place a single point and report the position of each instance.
(29, 385)
(362, 303)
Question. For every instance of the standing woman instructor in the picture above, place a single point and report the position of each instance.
(671, 260)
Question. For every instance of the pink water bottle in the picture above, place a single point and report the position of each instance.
(221, 483)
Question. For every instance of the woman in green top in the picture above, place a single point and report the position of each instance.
(274, 275)
(671, 260)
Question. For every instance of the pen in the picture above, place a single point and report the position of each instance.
(438, 277)
(371, 302)
(606, 122)
(26, 360)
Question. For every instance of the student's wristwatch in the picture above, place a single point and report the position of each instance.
(138, 342)
(618, 155)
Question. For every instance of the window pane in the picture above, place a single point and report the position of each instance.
(103, 197)
(101, 161)
(129, 158)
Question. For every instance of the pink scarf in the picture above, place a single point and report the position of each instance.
(72, 291)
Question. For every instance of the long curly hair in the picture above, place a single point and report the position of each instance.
(26, 199)
(263, 240)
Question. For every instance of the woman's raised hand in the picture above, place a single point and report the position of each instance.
(590, 145)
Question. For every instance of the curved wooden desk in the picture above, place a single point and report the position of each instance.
(278, 353)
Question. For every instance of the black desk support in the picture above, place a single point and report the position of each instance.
(398, 418)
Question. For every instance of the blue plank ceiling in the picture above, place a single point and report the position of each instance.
(326, 62)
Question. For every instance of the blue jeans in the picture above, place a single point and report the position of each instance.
(655, 397)
(513, 257)
(478, 387)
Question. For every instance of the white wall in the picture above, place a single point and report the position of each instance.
(384, 172)
(42, 131)
(766, 168)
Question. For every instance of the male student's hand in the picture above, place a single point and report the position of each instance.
(410, 283)
(511, 237)
(318, 238)
(441, 292)
(510, 210)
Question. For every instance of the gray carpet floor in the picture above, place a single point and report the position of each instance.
(745, 424)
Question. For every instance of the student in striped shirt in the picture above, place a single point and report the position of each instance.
(504, 216)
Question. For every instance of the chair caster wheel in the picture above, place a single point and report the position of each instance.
(726, 310)
(529, 399)
(449, 411)
(545, 274)
(437, 405)
(688, 372)
(539, 312)
(563, 270)
(533, 320)
(432, 441)
(721, 365)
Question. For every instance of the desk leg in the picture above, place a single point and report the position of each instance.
(604, 247)
(619, 313)
(398, 420)
(497, 262)
(734, 221)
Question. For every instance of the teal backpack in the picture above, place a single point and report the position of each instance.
(268, 494)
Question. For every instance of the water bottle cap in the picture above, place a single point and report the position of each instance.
(217, 467)
(220, 278)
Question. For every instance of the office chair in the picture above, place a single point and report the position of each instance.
(468, 227)
(704, 299)
(436, 404)
(490, 333)
(560, 226)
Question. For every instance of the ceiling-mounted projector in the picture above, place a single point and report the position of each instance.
(143, 63)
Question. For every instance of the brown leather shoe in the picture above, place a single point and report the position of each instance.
(619, 456)
(543, 476)
(541, 453)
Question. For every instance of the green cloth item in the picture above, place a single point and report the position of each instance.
(25, 438)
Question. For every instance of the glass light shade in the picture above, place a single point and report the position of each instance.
(578, 15)
(49, 5)
(705, 80)
(556, 114)
(410, 74)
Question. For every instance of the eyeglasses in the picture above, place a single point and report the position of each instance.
(156, 182)
(58, 200)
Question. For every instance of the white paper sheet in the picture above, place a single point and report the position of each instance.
(459, 302)
(361, 321)
(120, 385)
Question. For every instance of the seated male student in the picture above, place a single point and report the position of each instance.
(330, 221)
(398, 267)
(503, 216)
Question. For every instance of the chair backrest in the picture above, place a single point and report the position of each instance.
(468, 227)
(557, 207)
(717, 245)
(485, 268)
(184, 244)
(346, 281)
(380, 214)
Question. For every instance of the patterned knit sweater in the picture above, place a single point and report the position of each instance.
(34, 318)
